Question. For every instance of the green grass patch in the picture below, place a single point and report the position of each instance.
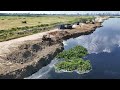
(13, 27)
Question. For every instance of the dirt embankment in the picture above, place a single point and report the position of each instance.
(75, 32)
(28, 58)
(22, 57)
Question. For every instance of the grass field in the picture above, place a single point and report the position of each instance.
(18, 26)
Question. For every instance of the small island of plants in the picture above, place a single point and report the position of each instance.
(73, 60)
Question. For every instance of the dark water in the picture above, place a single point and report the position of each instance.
(103, 46)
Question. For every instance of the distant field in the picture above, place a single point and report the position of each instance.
(17, 26)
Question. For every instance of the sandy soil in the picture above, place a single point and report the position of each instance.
(4, 46)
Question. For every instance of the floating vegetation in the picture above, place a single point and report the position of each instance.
(73, 60)
(77, 51)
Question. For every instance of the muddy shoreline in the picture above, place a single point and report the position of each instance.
(40, 57)
(74, 35)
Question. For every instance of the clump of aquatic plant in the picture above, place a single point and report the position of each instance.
(77, 51)
(73, 60)
(74, 64)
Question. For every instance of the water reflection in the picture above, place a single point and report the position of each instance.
(104, 39)
(103, 46)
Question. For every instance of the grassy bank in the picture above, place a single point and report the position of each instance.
(18, 26)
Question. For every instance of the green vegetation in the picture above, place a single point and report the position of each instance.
(18, 26)
(74, 64)
(73, 60)
(77, 51)
(114, 16)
